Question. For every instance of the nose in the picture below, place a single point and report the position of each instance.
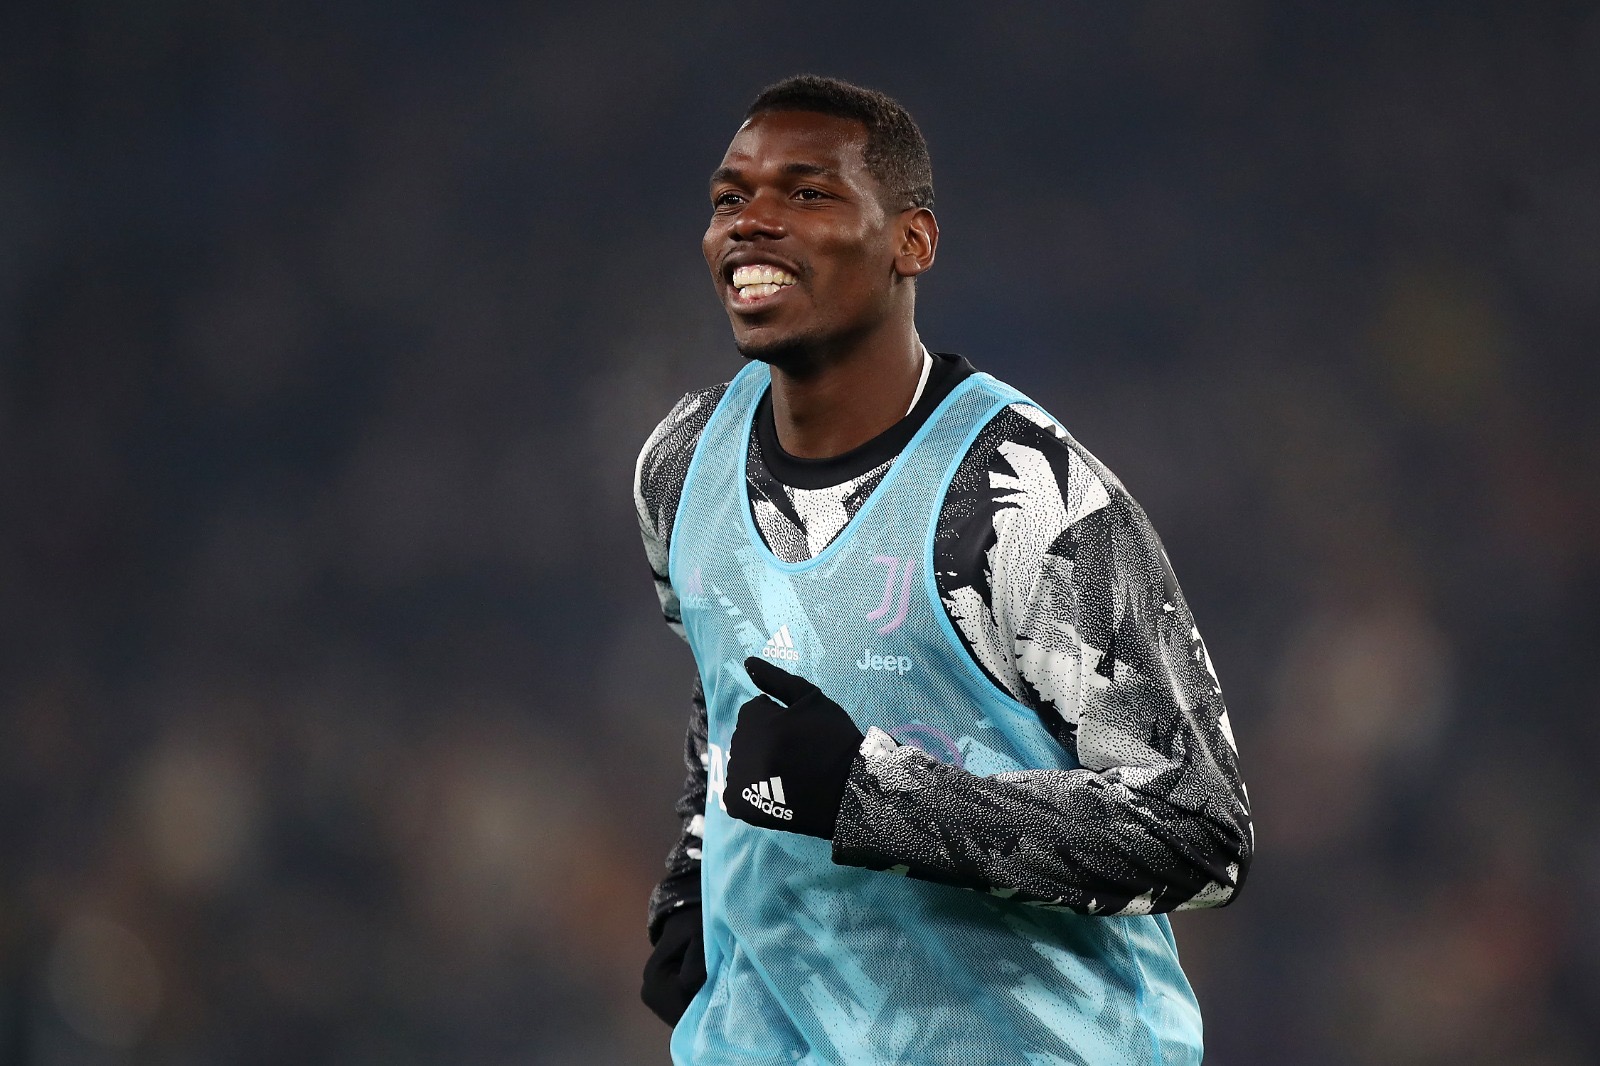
(760, 218)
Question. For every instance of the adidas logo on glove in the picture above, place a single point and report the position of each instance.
(768, 801)
(792, 742)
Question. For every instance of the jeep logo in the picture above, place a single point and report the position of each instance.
(895, 664)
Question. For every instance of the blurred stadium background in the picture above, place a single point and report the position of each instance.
(338, 725)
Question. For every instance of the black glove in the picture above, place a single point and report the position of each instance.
(787, 767)
(677, 967)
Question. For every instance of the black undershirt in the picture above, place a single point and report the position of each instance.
(947, 372)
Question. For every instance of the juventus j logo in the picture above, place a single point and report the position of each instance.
(903, 569)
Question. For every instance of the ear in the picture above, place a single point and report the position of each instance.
(919, 240)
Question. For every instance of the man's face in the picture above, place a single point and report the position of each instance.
(800, 247)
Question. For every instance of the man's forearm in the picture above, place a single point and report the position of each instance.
(1066, 838)
(681, 886)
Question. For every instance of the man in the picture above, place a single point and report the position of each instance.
(962, 743)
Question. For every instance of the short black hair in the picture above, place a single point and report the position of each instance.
(896, 154)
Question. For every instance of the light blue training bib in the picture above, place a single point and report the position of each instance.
(815, 963)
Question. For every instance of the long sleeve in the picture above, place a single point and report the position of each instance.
(658, 484)
(1077, 614)
(681, 885)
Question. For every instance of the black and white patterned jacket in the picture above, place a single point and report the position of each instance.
(1061, 591)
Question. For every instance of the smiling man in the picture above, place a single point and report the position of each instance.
(956, 745)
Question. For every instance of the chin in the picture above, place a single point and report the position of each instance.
(792, 354)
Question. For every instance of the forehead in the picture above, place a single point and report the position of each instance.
(777, 139)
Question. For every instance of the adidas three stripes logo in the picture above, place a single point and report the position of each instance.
(781, 646)
(768, 800)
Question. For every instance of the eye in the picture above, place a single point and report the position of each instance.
(726, 199)
(808, 193)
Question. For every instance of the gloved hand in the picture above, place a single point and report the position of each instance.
(677, 967)
(787, 766)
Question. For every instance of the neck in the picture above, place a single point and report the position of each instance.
(827, 408)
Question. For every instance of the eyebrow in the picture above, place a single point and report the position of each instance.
(815, 170)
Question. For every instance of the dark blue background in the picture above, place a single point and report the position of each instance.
(337, 723)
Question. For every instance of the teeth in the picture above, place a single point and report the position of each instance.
(755, 292)
(761, 274)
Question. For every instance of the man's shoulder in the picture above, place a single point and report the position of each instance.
(1024, 457)
(664, 460)
(685, 421)
(1027, 486)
